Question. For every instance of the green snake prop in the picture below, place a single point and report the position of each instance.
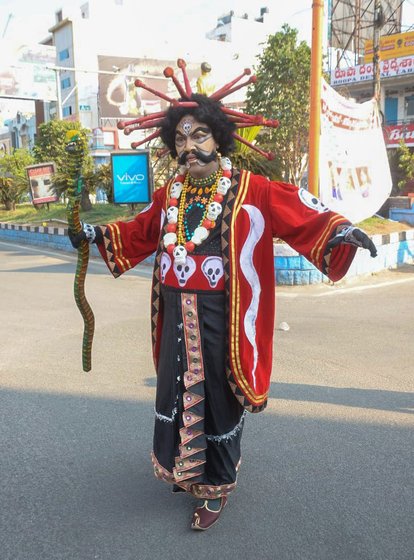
(75, 160)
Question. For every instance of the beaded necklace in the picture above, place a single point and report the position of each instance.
(178, 240)
(183, 232)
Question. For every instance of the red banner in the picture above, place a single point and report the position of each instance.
(394, 133)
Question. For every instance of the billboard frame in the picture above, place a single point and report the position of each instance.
(52, 170)
(118, 196)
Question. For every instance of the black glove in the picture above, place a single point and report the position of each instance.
(354, 236)
(91, 234)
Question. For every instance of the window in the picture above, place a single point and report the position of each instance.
(63, 55)
(65, 83)
(66, 111)
(409, 106)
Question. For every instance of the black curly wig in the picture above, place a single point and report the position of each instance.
(208, 112)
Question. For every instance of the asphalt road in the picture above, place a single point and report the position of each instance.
(327, 471)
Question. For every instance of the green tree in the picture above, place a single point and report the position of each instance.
(50, 146)
(405, 165)
(104, 180)
(282, 92)
(244, 157)
(13, 177)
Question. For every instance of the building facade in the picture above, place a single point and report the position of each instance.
(99, 39)
(397, 86)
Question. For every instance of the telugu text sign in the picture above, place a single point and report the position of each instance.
(364, 72)
(396, 45)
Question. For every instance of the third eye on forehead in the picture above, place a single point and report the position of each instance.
(198, 133)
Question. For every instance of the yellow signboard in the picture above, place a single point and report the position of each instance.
(391, 46)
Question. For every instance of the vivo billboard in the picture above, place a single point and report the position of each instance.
(131, 177)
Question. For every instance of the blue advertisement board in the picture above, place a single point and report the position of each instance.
(131, 177)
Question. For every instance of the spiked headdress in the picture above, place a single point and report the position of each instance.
(155, 120)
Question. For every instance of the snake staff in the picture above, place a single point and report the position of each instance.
(75, 160)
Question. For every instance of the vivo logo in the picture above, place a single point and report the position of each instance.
(127, 178)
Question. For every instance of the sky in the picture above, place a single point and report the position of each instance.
(32, 18)
(28, 21)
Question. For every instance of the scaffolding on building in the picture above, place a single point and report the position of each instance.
(352, 22)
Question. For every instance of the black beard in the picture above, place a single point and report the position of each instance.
(205, 158)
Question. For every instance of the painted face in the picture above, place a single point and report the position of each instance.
(195, 145)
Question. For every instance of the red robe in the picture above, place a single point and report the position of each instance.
(256, 210)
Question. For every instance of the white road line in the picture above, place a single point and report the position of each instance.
(142, 270)
(40, 250)
(146, 270)
(363, 288)
(341, 291)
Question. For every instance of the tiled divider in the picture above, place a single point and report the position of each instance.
(291, 268)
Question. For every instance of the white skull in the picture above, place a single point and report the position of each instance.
(225, 163)
(180, 254)
(172, 214)
(214, 210)
(169, 239)
(165, 266)
(199, 235)
(176, 189)
(184, 271)
(212, 268)
(223, 185)
(309, 200)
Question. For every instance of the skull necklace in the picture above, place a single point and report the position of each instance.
(176, 240)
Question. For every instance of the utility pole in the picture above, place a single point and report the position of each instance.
(315, 97)
(378, 23)
(58, 94)
(9, 17)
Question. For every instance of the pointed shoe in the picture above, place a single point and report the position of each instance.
(204, 518)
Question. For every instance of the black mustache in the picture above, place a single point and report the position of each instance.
(205, 158)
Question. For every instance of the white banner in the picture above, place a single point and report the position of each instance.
(354, 174)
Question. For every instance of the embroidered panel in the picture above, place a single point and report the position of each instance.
(193, 443)
(202, 491)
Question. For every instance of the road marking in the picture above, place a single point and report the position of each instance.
(41, 250)
(142, 270)
(146, 271)
(340, 291)
(363, 288)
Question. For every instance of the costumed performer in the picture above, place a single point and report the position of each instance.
(212, 228)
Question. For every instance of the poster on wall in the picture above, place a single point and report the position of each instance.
(25, 71)
(41, 183)
(118, 96)
(354, 173)
(131, 177)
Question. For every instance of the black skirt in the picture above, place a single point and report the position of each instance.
(198, 421)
